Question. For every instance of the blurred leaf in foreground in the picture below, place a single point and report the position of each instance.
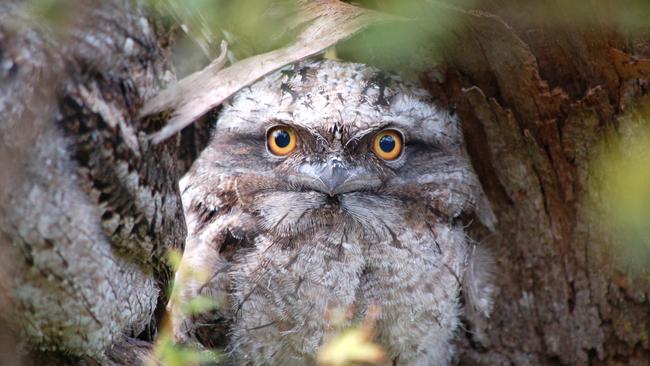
(624, 191)
(353, 345)
(200, 304)
(414, 43)
(174, 258)
(167, 353)
(250, 26)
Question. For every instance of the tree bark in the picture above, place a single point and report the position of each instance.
(537, 100)
(88, 206)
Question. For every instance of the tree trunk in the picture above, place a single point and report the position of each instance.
(88, 206)
(539, 101)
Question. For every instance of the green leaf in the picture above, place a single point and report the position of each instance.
(200, 304)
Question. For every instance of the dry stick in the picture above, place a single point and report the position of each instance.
(193, 96)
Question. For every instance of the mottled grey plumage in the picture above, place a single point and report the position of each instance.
(281, 251)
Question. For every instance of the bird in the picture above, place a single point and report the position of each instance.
(332, 186)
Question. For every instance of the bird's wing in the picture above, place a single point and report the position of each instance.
(217, 229)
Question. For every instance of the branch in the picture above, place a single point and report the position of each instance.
(190, 98)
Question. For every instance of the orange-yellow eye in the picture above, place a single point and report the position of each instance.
(388, 144)
(281, 140)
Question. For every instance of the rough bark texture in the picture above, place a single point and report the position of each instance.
(81, 182)
(88, 206)
(536, 99)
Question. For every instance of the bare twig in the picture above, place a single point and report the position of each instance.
(330, 21)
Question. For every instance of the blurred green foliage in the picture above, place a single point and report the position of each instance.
(250, 26)
(352, 346)
(633, 14)
(622, 194)
(168, 353)
(200, 304)
(347, 344)
(410, 45)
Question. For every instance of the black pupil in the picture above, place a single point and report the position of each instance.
(387, 143)
(282, 138)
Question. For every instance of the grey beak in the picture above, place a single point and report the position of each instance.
(333, 177)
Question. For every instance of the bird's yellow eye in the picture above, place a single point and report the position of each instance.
(388, 144)
(281, 140)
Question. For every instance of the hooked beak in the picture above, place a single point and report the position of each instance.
(333, 178)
